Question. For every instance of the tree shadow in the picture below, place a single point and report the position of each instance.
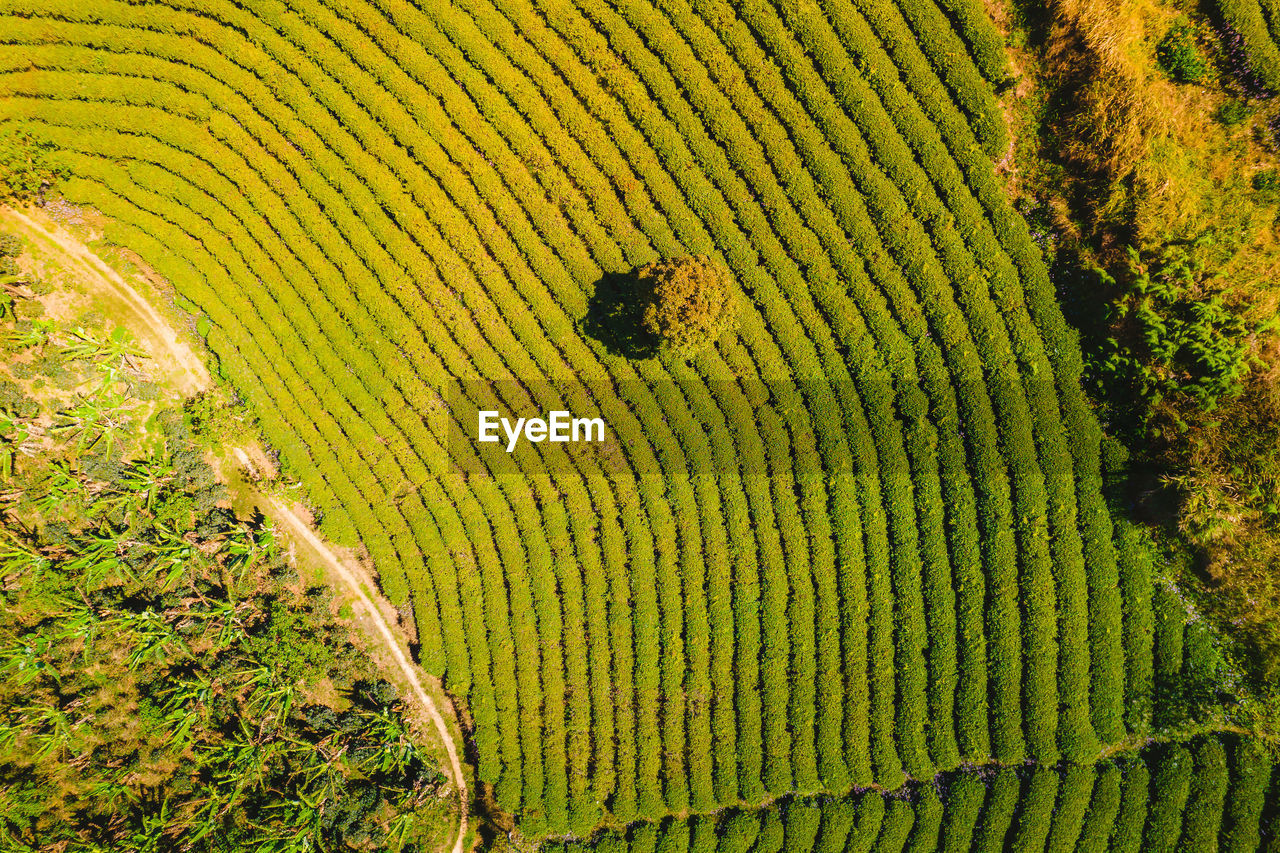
(614, 317)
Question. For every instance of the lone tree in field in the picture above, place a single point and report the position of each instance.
(688, 301)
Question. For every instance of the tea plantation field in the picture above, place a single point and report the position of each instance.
(859, 541)
(1209, 792)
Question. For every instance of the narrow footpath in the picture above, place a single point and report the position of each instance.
(190, 376)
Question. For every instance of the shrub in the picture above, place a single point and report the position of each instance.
(1267, 181)
(1233, 113)
(1209, 783)
(1180, 338)
(1173, 785)
(689, 302)
(1104, 805)
(1179, 56)
(1251, 775)
(26, 165)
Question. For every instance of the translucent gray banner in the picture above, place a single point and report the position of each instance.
(719, 428)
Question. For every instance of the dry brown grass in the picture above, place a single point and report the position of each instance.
(1102, 46)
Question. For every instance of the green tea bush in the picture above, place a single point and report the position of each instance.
(1249, 22)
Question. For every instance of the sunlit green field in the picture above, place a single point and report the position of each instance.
(861, 540)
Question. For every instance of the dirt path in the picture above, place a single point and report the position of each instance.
(183, 363)
(289, 519)
(189, 374)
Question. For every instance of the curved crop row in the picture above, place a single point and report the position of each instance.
(1128, 803)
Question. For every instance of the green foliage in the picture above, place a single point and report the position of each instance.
(216, 422)
(188, 665)
(160, 677)
(28, 165)
(1198, 415)
(689, 302)
(1179, 56)
(1233, 113)
(1171, 778)
(1267, 181)
(1202, 822)
(1176, 336)
(1251, 768)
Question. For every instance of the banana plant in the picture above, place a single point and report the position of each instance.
(247, 546)
(174, 555)
(47, 729)
(183, 707)
(319, 760)
(302, 828)
(153, 834)
(92, 421)
(26, 659)
(272, 702)
(178, 693)
(112, 793)
(146, 478)
(240, 764)
(224, 617)
(113, 353)
(98, 559)
(205, 817)
(17, 557)
(399, 828)
(300, 812)
(9, 732)
(394, 751)
(79, 623)
(18, 437)
(152, 634)
(60, 487)
(38, 334)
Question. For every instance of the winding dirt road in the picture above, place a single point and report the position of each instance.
(188, 373)
(293, 523)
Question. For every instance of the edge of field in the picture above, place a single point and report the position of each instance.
(136, 298)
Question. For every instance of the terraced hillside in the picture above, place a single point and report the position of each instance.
(875, 546)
